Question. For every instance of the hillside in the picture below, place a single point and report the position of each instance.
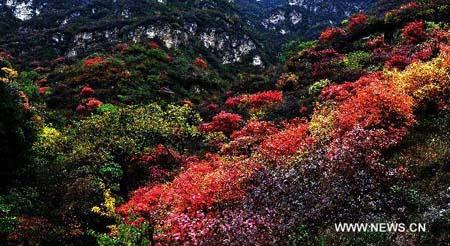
(143, 143)
(241, 31)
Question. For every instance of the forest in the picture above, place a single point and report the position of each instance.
(142, 144)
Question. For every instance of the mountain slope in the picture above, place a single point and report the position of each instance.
(224, 31)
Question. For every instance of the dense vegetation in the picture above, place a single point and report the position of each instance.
(142, 144)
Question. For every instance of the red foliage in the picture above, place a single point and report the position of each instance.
(42, 81)
(201, 63)
(316, 64)
(255, 129)
(375, 105)
(376, 43)
(414, 32)
(60, 59)
(121, 47)
(357, 22)
(212, 107)
(157, 165)
(331, 34)
(153, 45)
(409, 6)
(233, 102)
(31, 230)
(257, 100)
(42, 90)
(94, 61)
(424, 54)
(202, 185)
(244, 141)
(223, 122)
(341, 92)
(93, 103)
(87, 91)
(170, 58)
(81, 109)
(282, 145)
(398, 61)
(303, 110)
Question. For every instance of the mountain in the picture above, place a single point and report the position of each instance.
(283, 20)
(225, 32)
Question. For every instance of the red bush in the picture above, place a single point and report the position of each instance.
(81, 109)
(43, 90)
(93, 103)
(376, 105)
(409, 6)
(201, 63)
(357, 22)
(30, 230)
(280, 146)
(212, 107)
(376, 43)
(155, 166)
(414, 32)
(153, 45)
(223, 122)
(94, 61)
(87, 91)
(257, 100)
(245, 140)
(341, 92)
(331, 34)
(202, 185)
(424, 54)
(398, 61)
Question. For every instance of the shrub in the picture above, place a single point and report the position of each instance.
(257, 100)
(377, 105)
(195, 191)
(94, 61)
(357, 60)
(332, 35)
(153, 45)
(414, 32)
(201, 63)
(424, 81)
(247, 139)
(398, 61)
(223, 122)
(93, 103)
(279, 147)
(87, 91)
(357, 22)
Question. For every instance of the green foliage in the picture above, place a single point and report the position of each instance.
(315, 88)
(125, 235)
(293, 47)
(7, 220)
(17, 130)
(78, 163)
(357, 60)
(107, 107)
(26, 81)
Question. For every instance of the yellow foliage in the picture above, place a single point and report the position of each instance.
(423, 80)
(108, 207)
(10, 74)
(49, 137)
(322, 121)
